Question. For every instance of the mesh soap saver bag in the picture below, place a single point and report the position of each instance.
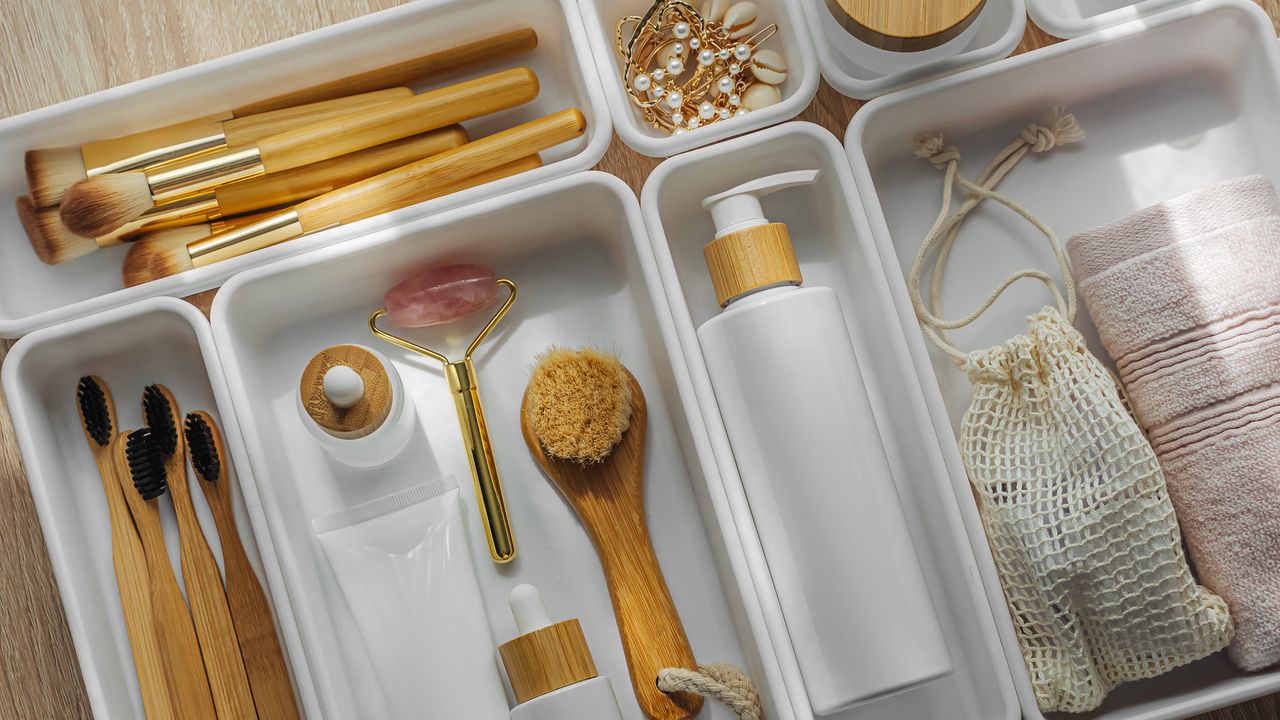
(1074, 504)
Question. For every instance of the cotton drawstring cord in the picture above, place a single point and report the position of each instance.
(720, 681)
(1061, 130)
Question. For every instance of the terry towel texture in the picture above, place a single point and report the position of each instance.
(1186, 298)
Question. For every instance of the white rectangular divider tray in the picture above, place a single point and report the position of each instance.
(1071, 18)
(1000, 29)
(835, 250)
(33, 294)
(576, 248)
(792, 41)
(1170, 103)
(161, 340)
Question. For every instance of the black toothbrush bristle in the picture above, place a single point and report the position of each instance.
(204, 451)
(93, 410)
(159, 417)
(146, 467)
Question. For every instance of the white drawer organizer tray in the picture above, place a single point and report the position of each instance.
(1171, 103)
(1071, 18)
(161, 340)
(34, 295)
(1000, 29)
(835, 250)
(577, 249)
(792, 40)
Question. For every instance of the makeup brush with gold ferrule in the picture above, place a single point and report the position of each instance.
(170, 253)
(50, 171)
(55, 243)
(98, 205)
(416, 182)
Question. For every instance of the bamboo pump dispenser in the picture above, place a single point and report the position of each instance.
(812, 464)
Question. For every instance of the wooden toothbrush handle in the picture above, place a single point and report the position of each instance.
(652, 636)
(243, 131)
(302, 183)
(398, 119)
(460, 56)
(406, 184)
(133, 583)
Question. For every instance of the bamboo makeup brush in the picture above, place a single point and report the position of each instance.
(205, 594)
(54, 243)
(416, 182)
(584, 419)
(98, 420)
(142, 478)
(256, 631)
(98, 205)
(51, 171)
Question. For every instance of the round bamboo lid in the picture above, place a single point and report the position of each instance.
(905, 25)
(347, 419)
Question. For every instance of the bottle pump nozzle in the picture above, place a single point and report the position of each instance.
(750, 253)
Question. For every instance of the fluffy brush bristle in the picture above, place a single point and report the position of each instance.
(146, 468)
(206, 455)
(51, 240)
(159, 414)
(579, 403)
(95, 206)
(51, 171)
(158, 255)
(95, 414)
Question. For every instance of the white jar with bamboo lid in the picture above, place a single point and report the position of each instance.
(893, 36)
(352, 401)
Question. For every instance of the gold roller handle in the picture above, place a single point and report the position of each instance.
(475, 432)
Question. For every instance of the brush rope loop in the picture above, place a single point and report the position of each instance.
(719, 681)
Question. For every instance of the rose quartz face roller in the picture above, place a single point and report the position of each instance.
(443, 295)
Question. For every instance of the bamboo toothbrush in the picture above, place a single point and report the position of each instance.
(98, 205)
(141, 474)
(583, 418)
(170, 254)
(51, 171)
(98, 420)
(54, 243)
(205, 594)
(259, 645)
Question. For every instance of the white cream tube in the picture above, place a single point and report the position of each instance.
(405, 572)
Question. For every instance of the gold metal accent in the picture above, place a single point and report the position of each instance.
(186, 211)
(159, 157)
(246, 238)
(191, 178)
(475, 432)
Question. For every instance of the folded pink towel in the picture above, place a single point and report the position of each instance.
(1186, 298)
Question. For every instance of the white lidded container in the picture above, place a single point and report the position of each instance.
(1169, 103)
(1071, 18)
(813, 465)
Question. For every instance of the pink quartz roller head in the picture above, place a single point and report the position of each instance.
(441, 295)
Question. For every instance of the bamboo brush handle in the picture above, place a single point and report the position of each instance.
(465, 55)
(305, 182)
(244, 131)
(133, 582)
(184, 667)
(404, 185)
(255, 628)
(398, 119)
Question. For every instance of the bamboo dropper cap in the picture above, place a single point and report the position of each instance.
(905, 25)
(346, 391)
(546, 656)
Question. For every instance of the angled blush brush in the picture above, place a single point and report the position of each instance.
(50, 171)
(98, 205)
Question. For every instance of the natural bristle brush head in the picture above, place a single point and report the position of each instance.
(159, 255)
(50, 171)
(204, 445)
(97, 205)
(161, 419)
(146, 466)
(96, 415)
(51, 240)
(579, 403)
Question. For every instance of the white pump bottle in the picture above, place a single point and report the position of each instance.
(812, 464)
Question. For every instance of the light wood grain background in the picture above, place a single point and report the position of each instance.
(53, 50)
